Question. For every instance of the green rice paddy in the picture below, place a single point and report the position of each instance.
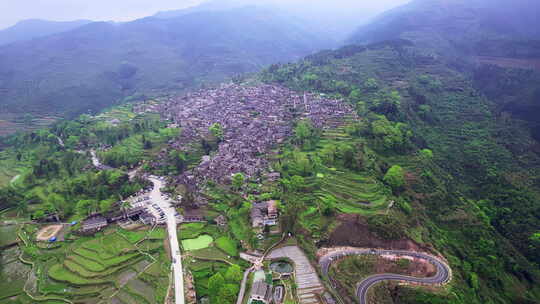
(202, 241)
(115, 264)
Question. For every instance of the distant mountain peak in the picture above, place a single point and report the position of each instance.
(29, 29)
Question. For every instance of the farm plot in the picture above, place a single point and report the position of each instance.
(100, 269)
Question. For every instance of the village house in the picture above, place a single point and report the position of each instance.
(257, 218)
(264, 214)
(273, 176)
(272, 210)
(147, 218)
(221, 220)
(261, 292)
(192, 216)
(94, 223)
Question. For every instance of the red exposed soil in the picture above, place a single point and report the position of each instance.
(353, 231)
(417, 267)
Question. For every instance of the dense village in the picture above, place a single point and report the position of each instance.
(254, 121)
(241, 130)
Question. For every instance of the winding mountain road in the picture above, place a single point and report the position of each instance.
(443, 275)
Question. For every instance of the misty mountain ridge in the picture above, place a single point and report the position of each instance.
(98, 63)
(36, 28)
(314, 18)
(496, 43)
(459, 25)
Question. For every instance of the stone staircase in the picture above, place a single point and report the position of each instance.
(309, 286)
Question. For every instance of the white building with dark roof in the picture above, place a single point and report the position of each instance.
(261, 292)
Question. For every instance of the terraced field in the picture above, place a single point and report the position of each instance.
(116, 266)
(340, 189)
(354, 193)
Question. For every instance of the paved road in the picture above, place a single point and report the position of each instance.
(442, 276)
(242, 291)
(157, 197)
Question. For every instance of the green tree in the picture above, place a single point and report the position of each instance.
(355, 95)
(473, 281)
(106, 205)
(217, 131)
(328, 205)
(238, 180)
(294, 184)
(215, 283)
(124, 205)
(385, 103)
(85, 207)
(179, 160)
(392, 136)
(57, 205)
(310, 79)
(371, 84)
(305, 134)
(291, 213)
(395, 177)
(72, 141)
(147, 144)
(227, 294)
(21, 207)
(299, 164)
(234, 274)
(426, 153)
(38, 214)
(28, 119)
(535, 237)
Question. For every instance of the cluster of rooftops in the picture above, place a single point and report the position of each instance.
(254, 121)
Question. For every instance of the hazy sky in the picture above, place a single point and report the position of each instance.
(12, 11)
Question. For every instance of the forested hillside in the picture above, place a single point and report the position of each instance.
(93, 66)
(464, 174)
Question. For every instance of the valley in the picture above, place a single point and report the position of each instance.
(218, 155)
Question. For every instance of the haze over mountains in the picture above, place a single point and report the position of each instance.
(66, 68)
(482, 38)
(456, 23)
(35, 28)
(94, 65)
